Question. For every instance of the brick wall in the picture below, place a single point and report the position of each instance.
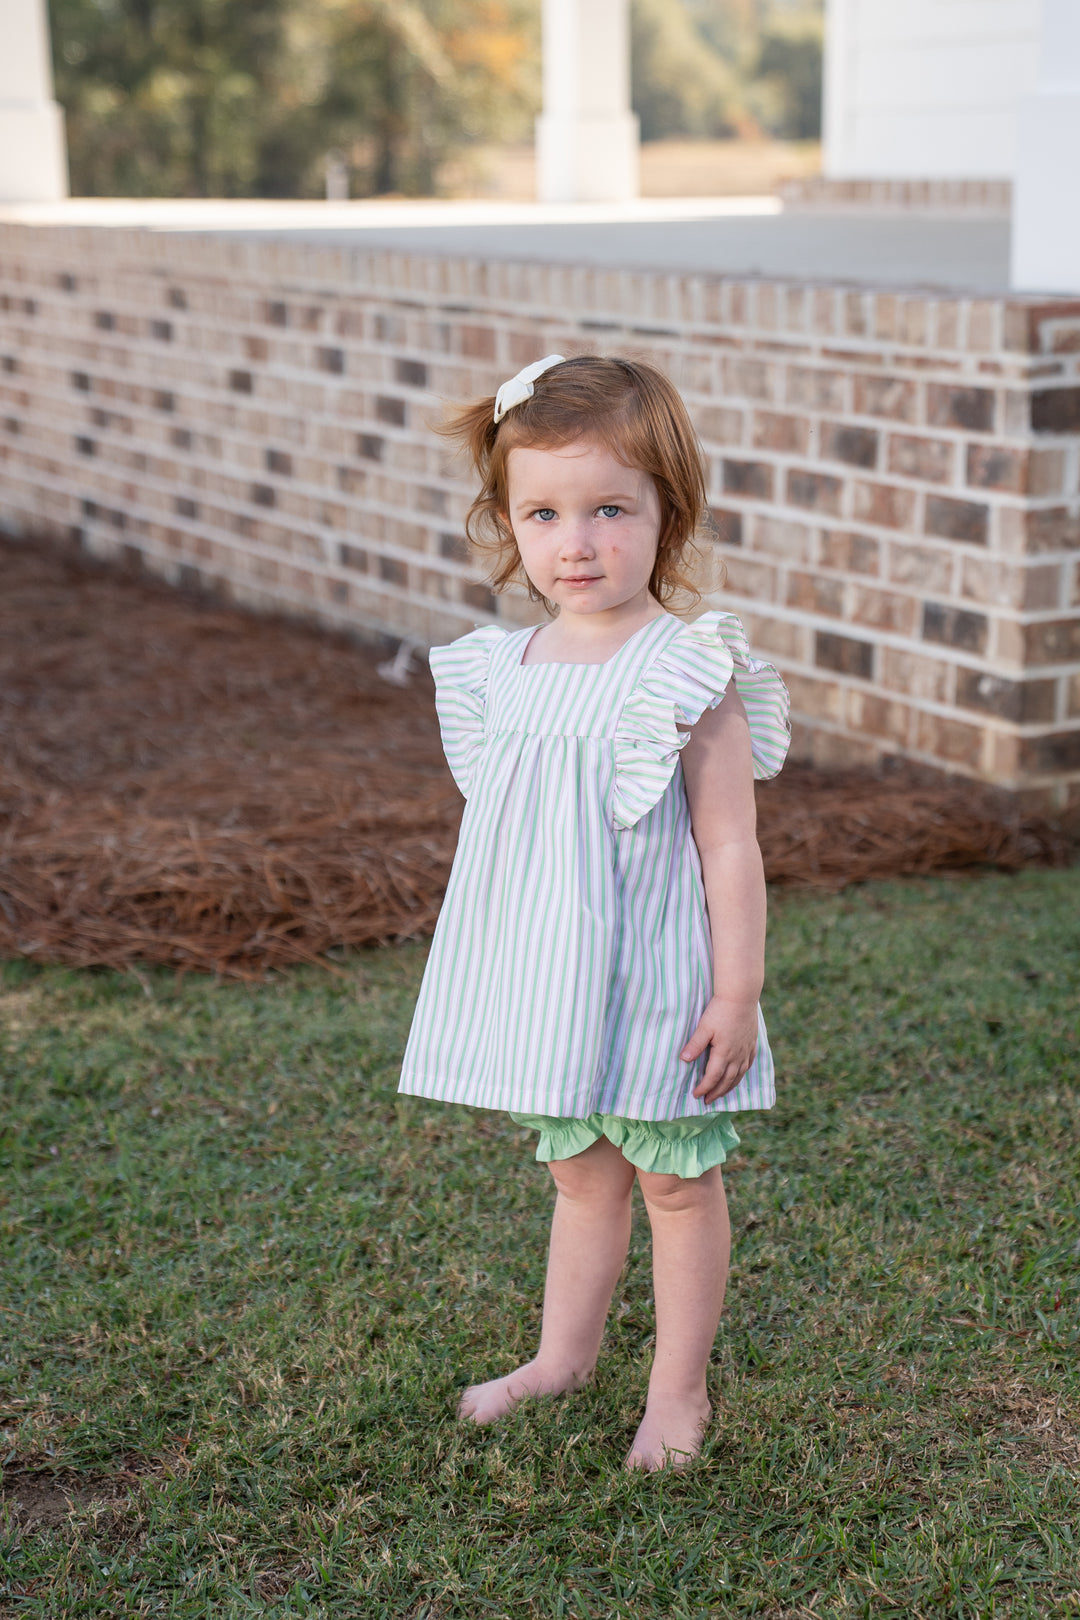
(895, 478)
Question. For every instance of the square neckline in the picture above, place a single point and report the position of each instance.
(605, 663)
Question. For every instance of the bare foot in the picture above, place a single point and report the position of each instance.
(669, 1435)
(486, 1402)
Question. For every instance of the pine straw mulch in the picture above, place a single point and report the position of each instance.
(182, 782)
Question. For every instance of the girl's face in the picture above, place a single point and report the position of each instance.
(586, 527)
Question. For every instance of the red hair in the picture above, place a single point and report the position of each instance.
(627, 406)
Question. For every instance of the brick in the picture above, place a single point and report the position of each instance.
(772, 430)
(884, 610)
(989, 581)
(1023, 702)
(454, 547)
(748, 577)
(753, 479)
(411, 373)
(850, 552)
(857, 446)
(779, 538)
(893, 397)
(957, 407)
(950, 740)
(930, 460)
(876, 716)
(1042, 588)
(1058, 751)
(1047, 470)
(930, 679)
(1055, 410)
(844, 654)
(353, 557)
(718, 424)
(726, 526)
(819, 492)
(1026, 323)
(957, 520)
(393, 571)
(1054, 641)
(832, 751)
(477, 342)
(887, 506)
(996, 466)
(780, 637)
(815, 593)
(955, 627)
(816, 699)
(431, 499)
(815, 388)
(390, 409)
(1063, 337)
(479, 597)
(749, 377)
(1051, 528)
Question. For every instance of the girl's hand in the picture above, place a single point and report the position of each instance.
(731, 1029)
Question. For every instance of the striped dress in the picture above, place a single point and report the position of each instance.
(572, 957)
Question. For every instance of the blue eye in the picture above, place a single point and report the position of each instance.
(610, 511)
(545, 514)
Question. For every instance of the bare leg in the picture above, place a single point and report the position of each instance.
(590, 1234)
(691, 1249)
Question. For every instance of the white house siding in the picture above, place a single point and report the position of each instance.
(927, 88)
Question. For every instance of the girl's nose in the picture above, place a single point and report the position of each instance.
(577, 541)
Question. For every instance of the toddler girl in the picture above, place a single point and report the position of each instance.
(598, 960)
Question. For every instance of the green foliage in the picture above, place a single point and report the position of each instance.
(241, 1281)
(680, 86)
(786, 91)
(246, 97)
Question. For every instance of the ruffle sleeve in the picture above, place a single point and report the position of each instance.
(461, 678)
(689, 675)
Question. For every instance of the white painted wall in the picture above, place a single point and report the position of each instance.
(1046, 200)
(927, 89)
(33, 157)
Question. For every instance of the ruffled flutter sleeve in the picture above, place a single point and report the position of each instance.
(461, 678)
(689, 675)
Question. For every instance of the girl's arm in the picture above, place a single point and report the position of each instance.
(718, 768)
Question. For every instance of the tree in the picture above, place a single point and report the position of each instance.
(245, 97)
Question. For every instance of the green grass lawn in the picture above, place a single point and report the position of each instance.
(242, 1283)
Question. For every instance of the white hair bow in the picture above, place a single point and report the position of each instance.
(518, 389)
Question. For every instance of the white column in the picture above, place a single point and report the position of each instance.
(586, 137)
(838, 89)
(1046, 198)
(33, 157)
